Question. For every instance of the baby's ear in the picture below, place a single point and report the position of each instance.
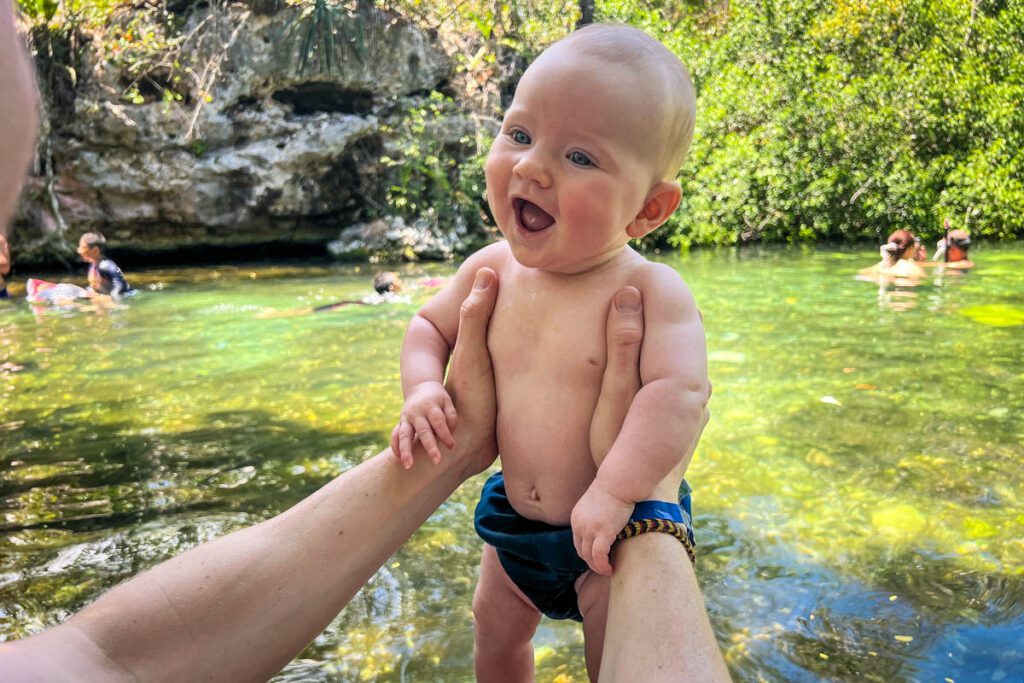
(661, 202)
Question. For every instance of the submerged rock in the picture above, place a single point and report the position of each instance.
(391, 237)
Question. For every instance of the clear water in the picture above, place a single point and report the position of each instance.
(859, 492)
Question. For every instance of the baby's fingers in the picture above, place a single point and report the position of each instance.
(450, 416)
(577, 541)
(394, 444)
(440, 426)
(405, 438)
(426, 437)
(599, 557)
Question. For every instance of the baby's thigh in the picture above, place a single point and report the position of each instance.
(498, 602)
(592, 592)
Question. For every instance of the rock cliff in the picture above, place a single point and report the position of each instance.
(265, 152)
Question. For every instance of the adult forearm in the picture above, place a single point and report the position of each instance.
(243, 606)
(658, 628)
(18, 118)
(239, 608)
(659, 432)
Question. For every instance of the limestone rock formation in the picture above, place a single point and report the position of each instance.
(271, 153)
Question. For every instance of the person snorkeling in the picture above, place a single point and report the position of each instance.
(387, 286)
(387, 282)
(951, 250)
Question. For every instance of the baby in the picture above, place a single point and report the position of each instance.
(585, 161)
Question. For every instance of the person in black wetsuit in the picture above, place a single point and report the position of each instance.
(104, 276)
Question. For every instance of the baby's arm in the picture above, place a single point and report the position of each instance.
(665, 418)
(428, 413)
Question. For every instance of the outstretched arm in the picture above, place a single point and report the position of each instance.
(241, 607)
(658, 628)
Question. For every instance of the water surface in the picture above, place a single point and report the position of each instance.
(859, 500)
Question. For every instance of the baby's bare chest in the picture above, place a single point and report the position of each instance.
(549, 338)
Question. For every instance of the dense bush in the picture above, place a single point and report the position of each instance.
(435, 167)
(847, 119)
(818, 119)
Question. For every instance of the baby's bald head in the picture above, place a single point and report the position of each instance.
(659, 83)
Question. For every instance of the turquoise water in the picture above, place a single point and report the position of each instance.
(859, 496)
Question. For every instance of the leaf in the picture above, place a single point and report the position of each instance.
(995, 315)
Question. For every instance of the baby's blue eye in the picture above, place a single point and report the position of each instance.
(520, 137)
(580, 159)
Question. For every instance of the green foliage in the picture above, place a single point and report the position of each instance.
(488, 41)
(523, 24)
(38, 11)
(846, 119)
(324, 34)
(85, 13)
(145, 47)
(433, 173)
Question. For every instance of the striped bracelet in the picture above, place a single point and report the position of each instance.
(643, 526)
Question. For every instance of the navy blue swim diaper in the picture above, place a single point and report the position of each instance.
(540, 558)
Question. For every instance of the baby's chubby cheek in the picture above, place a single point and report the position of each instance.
(493, 172)
(497, 190)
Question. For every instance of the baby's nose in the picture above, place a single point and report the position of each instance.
(531, 167)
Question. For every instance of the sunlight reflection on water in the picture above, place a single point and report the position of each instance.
(858, 493)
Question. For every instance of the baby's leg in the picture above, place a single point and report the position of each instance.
(592, 591)
(504, 623)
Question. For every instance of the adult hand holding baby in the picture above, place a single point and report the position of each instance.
(599, 515)
(470, 380)
(429, 414)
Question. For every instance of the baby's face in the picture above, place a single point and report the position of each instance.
(571, 167)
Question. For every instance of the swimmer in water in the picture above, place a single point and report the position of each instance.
(105, 277)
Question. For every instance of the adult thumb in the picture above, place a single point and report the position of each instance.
(470, 358)
(476, 309)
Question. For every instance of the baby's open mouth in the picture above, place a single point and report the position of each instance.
(531, 216)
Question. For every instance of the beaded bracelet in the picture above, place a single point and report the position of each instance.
(643, 526)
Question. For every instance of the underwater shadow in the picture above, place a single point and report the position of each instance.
(247, 460)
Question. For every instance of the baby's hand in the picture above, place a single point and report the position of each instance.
(428, 415)
(596, 520)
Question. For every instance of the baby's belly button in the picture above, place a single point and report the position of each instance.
(531, 506)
